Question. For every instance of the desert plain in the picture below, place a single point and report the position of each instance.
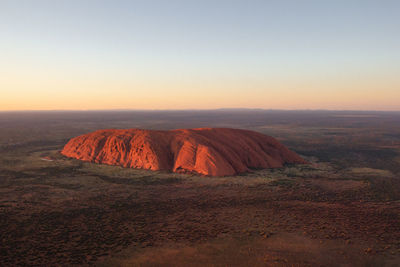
(342, 209)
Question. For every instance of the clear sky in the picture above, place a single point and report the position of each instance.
(169, 54)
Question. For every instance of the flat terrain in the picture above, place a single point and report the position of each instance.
(343, 209)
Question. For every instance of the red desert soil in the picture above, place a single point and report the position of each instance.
(206, 151)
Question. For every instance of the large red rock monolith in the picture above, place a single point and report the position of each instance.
(206, 151)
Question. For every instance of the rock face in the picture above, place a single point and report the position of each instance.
(206, 151)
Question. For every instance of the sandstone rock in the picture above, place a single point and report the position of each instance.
(206, 151)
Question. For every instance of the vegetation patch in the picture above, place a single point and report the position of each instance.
(288, 183)
(370, 172)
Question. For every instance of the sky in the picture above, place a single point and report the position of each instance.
(170, 54)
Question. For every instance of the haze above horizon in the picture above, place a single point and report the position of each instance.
(99, 55)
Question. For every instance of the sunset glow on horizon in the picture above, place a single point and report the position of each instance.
(83, 55)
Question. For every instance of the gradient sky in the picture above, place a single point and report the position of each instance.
(168, 54)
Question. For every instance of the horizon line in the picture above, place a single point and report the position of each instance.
(190, 109)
